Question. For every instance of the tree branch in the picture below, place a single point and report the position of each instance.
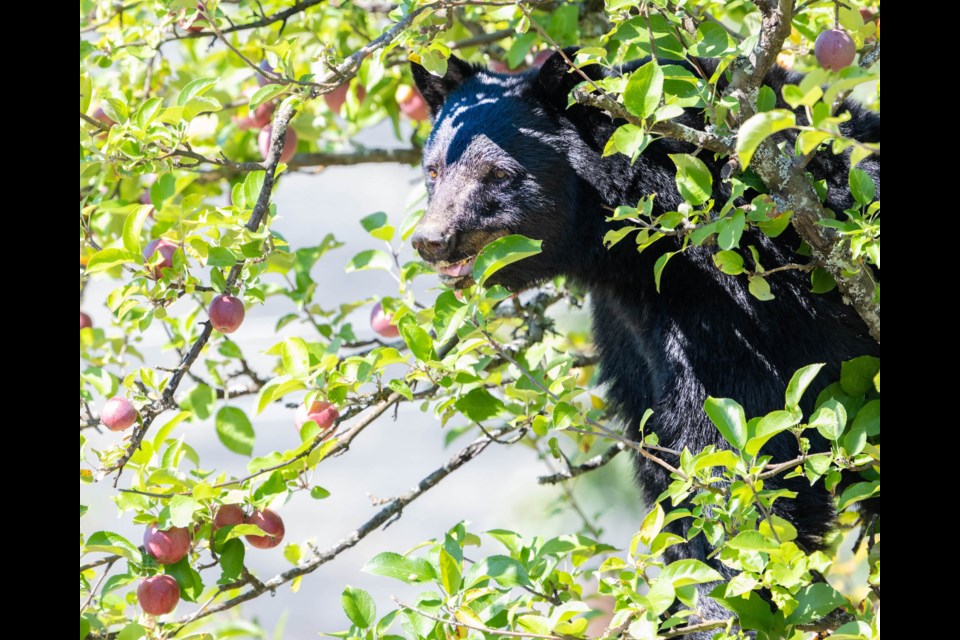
(590, 465)
(409, 155)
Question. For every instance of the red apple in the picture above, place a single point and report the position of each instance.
(118, 414)
(323, 413)
(338, 97)
(227, 515)
(271, 524)
(412, 103)
(158, 594)
(226, 313)
(541, 57)
(289, 143)
(85, 321)
(382, 322)
(103, 118)
(167, 546)
(165, 248)
(263, 114)
(834, 49)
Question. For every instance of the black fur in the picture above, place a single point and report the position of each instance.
(703, 334)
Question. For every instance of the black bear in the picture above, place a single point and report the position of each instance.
(507, 155)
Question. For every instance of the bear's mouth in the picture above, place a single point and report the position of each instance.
(457, 274)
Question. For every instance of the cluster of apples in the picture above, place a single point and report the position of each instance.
(160, 594)
(226, 311)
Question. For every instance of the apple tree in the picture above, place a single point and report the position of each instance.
(192, 115)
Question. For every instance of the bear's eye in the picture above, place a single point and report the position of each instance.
(499, 174)
(432, 173)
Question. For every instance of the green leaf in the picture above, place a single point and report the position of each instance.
(828, 422)
(729, 418)
(220, 257)
(856, 375)
(376, 225)
(644, 89)
(730, 229)
(110, 542)
(434, 62)
(728, 261)
(265, 93)
(132, 227)
(181, 510)
(760, 288)
(479, 405)
(612, 237)
(752, 611)
(688, 571)
(319, 493)
(163, 189)
(652, 524)
(521, 46)
(758, 128)
(505, 570)
(394, 565)
(109, 258)
(132, 631)
(296, 356)
(628, 139)
(769, 426)
(857, 492)
(194, 89)
(868, 418)
(658, 268)
(231, 560)
(799, 383)
(359, 607)
(370, 259)
(766, 98)
(450, 577)
(752, 541)
(693, 178)
(862, 187)
(191, 584)
(276, 389)
(419, 341)
(713, 41)
(502, 252)
(815, 601)
(234, 430)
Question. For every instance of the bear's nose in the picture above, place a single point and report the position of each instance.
(434, 244)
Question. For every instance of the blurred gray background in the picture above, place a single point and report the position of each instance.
(497, 490)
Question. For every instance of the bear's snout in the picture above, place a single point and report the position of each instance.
(434, 243)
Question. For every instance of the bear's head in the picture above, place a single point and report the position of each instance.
(497, 163)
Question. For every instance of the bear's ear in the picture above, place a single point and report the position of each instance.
(557, 80)
(436, 89)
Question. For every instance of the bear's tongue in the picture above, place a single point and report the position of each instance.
(457, 269)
